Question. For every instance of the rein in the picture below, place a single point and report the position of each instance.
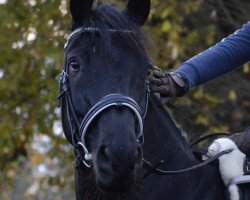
(78, 129)
(205, 137)
(147, 165)
(155, 170)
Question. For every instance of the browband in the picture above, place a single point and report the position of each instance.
(92, 29)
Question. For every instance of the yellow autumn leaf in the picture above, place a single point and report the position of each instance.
(232, 95)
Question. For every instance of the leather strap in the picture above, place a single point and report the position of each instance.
(147, 165)
(117, 100)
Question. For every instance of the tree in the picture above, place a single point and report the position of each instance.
(31, 55)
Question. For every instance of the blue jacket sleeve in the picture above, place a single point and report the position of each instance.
(225, 56)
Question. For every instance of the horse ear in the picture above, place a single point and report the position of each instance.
(138, 10)
(80, 10)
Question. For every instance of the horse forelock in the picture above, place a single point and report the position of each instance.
(109, 17)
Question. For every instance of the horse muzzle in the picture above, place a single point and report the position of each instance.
(116, 166)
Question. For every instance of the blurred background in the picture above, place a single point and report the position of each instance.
(35, 158)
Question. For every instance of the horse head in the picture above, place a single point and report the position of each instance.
(103, 90)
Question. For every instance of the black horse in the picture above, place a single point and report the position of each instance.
(104, 97)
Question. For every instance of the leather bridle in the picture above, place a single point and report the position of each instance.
(79, 129)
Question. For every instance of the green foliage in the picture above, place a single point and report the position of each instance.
(32, 36)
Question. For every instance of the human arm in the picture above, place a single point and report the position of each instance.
(220, 59)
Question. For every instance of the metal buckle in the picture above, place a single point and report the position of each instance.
(86, 159)
(140, 140)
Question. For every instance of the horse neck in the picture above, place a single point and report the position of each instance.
(164, 140)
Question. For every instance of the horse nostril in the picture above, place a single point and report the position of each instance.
(104, 153)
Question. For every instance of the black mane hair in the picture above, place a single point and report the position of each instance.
(114, 25)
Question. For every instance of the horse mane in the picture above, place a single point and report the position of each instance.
(179, 138)
(106, 17)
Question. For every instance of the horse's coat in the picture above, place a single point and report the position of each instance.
(104, 62)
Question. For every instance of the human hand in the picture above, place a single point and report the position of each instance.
(167, 85)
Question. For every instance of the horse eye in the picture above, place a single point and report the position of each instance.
(74, 66)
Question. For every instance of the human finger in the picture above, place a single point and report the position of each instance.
(158, 73)
(155, 81)
(163, 89)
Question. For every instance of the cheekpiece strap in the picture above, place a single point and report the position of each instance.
(63, 84)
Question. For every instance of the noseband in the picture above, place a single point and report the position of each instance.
(78, 130)
(117, 101)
